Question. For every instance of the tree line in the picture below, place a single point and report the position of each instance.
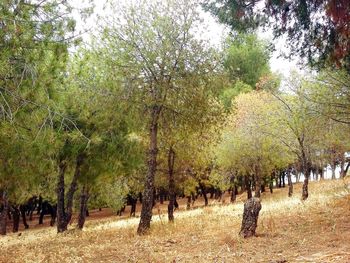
(147, 104)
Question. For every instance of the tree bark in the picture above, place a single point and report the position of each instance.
(252, 208)
(283, 179)
(188, 206)
(333, 166)
(233, 194)
(171, 162)
(84, 197)
(204, 193)
(22, 210)
(249, 188)
(16, 217)
(147, 197)
(342, 168)
(272, 177)
(305, 190)
(73, 187)
(257, 181)
(290, 184)
(346, 170)
(3, 212)
(321, 173)
(61, 215)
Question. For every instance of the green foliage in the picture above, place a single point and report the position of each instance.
(315, 31)
(247, 59)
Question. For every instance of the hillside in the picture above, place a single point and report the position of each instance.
(289, 230)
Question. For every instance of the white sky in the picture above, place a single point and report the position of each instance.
(215, 33)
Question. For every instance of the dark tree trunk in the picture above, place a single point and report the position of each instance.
(16, 217)
(305, 190)
(290, 184)
(283, 179)
(147, 197)
(188, 206)
(133, 207)
(61, 215)
(171, 162)
(3, 212)
(204, 193)
(321, 173)
(161, 198)
(346, 170)
(271, 182)
(73, 187)
(280, 180)
(252, 208)
(83, 211)
(257, 181)
(249, 188)
(234, 194)
(342, 168)
(22, 209)
(263, 187)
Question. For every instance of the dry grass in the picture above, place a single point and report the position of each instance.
(317, 230)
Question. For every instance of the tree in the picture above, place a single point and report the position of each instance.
(246, 62)
(249, 146)
(304, 128)
(316, 31)
(34, 42)
(247, 59)
(104, 147)
(165, 67)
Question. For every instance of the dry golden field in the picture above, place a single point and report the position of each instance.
(289, 230)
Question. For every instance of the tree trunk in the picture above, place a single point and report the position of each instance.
(321, 173)
(16, 217)
(22, 209)
(263, 187)
(297, 176)
(204, 193)
(257, 181)
(346, 170)
(3, 212)
(272, 177)
(290, 184)
(73, 187)
(147, 197)
(305, 190)
(171, 162)
(61, 215)
(233, 194)
(249, 188)
(333, 166)
(252, 208)
(188, 206)
(342, 167)
(84, 197)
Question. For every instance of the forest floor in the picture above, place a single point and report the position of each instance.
(289, 230)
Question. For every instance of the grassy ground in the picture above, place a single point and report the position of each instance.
(289, 230)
